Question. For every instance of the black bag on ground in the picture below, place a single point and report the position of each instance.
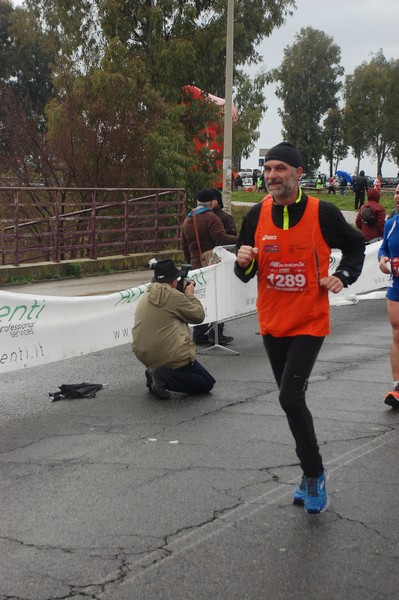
(368, 216)
(70, 391)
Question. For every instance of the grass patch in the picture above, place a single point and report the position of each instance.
(107, 269)
(74, 270)
(345, 202)
(19, 279)
(238, 213)
(54, 274)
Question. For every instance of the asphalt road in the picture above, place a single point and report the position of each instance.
(124, 496)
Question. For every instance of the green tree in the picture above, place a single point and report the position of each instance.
(250, 108)
(372, 111)
(309, 84)
(157, 47)
(335, 147)
(6, 11)
(25, 87)
(393, 109)
(184, 43)
(25, 57)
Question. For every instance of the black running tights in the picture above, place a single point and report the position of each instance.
(292, 360)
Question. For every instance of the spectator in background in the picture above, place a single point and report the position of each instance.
(342, 185)
(227, 219)
(202, 221)
(255, 175)
(319, 183)
(372, 226)
(331, 186)
(360, 188)
(261, 181)
(238, 182)
(377, 182)
(395, 210)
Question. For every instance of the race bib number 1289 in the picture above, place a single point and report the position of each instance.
(286, 276)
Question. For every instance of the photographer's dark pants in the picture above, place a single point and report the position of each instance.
(192, 379)
(292, 360)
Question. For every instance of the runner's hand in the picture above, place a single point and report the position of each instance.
(383, 264)
(332, 284)
(245, 255)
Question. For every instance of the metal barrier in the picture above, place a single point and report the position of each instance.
(55, 224)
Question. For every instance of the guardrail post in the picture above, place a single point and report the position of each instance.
(157, 220)
(93, 225)
(57, 232)
(126, 225)
(16, 222)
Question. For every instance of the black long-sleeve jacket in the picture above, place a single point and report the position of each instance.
(337, 232)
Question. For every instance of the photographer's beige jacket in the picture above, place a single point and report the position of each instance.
(161, 335)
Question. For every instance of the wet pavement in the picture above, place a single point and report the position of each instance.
(124, 496)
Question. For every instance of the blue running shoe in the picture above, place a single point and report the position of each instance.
(316, 498)
(298, 497)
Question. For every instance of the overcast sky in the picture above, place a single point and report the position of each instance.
(360, 28)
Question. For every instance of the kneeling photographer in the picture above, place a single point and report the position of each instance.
(161, 335)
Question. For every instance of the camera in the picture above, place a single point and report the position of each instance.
(184, 270)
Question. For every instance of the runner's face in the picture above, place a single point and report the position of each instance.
(396, 197)
(282, 181)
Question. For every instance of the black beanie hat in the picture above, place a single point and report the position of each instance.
(206, 195)
(218, 197)
(285, 152)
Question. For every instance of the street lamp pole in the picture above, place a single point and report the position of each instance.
(228, 110)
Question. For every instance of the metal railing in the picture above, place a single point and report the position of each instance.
(55, 224)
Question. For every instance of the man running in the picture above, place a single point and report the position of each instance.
(286, 240)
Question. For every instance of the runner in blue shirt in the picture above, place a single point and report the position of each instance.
(388, 256)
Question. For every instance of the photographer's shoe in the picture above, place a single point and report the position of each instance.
(223, 340)
(149, 379)
(156, 385)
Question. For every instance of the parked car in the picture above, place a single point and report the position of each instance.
(389, 182)
(307, 182)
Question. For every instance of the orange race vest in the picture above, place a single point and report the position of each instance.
(290, 265)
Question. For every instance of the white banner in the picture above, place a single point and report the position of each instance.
(36, 329)
(370, 280)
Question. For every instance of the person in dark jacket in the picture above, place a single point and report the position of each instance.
(361, 186)
(211, 233)
(286, 240)
(343, 184)
(227, 219)
(375, 230)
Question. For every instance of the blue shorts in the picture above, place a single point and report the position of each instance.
(393, 289)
